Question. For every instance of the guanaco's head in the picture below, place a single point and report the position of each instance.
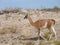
(26, 17)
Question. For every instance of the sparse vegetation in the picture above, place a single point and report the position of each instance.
(42, 42)
(48, 35)
(30, 43)
(15, 10)
(55, 9)
(57, 42)
(10, 17)
(8, 30)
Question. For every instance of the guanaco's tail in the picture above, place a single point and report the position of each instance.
(53, 21)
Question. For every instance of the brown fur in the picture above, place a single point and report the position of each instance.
(40, 23)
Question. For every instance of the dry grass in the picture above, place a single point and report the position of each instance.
(41, 42)
(8, 30)
(15, 10)
(7, 15)
(55, 9)
(30, 43)
(48, 35)
(57, 42)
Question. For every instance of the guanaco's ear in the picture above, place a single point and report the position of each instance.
(26, 17)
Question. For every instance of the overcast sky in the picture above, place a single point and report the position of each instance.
(29, 4)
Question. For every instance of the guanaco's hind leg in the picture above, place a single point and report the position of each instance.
(54, 32)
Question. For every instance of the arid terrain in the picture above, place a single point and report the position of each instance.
(15, 30)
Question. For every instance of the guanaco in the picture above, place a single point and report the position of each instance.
(43, 23)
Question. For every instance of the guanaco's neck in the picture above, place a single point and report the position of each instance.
(30, 20)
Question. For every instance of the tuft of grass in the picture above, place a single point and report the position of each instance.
(2, 31)
(57, 42)
(48, 35)
(13, 29)
(42, 43)
(8, 30)
(30, 43)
